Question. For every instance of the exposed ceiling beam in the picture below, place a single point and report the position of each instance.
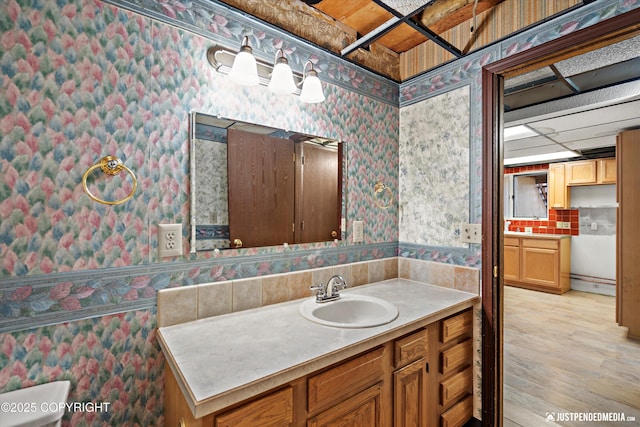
(442, 15)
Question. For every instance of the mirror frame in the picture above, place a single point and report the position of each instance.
(342, 181)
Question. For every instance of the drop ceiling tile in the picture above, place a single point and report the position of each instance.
(590, 143)
(541, 74)
(617, 52)
(405, 7)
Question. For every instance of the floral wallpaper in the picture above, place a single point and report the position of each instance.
(113, 359)
(80, 79)
(434, 169)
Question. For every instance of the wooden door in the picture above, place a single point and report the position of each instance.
(261, 188)
(628, 233)
(318, 192)
(410, 398)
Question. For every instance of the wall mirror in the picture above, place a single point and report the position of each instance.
(525, 195)
(253, 185)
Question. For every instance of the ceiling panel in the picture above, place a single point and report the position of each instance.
(590, 143)
(617, 52)
(589, 119)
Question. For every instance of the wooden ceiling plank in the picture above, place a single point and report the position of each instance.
(367, 18)
(340, 9)
(402, 38)
(442, 15)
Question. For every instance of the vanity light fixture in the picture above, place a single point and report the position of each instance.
(245, 69)
(282, 77)
(311, 86)
(277, 77)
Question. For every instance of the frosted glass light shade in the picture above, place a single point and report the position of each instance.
(311, 92)
(282, 78)
(244, 70)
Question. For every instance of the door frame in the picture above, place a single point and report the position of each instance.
(596, 36)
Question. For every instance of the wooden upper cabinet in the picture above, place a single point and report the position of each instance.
(590, 172)
(607, 171)
(557, 192)
(581, 172)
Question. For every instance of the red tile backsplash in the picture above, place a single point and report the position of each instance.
(548, 226)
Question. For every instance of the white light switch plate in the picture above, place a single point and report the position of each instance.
(169, 240)
(358, 231)
(471, 233)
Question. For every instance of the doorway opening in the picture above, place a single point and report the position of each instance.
(602, 34)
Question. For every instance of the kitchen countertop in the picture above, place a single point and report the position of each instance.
(225, 359)
(535, 235)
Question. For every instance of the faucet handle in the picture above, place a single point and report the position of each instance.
(319, 288)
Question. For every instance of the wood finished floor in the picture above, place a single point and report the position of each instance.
(565, 353)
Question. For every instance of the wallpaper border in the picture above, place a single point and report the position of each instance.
(331, 68)
(34, 301)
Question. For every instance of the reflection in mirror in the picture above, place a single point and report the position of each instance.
(254, 186)
(525, 195)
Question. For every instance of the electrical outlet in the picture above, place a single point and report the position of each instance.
(563, 225)
(471, 233)
(169, 240)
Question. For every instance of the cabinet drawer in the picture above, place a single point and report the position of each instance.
(511, 241)
(338, 383)
(410, 348)
(459, 413)
(456, 326)
(540, 243)
(458, 356)
(456, 386)
(275, 409)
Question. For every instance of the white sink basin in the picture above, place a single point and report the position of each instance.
(350, 311)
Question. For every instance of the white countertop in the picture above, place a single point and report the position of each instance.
(535, 235)
(225, 359)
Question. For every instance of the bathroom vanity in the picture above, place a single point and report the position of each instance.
(271, 367)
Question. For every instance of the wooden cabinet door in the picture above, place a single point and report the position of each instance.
(581, 173)
(363, 409)
(607, 171)
(511, 263)
(558, 196)
(540, 266)
(410, 398)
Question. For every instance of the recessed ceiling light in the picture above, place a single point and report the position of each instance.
(519, 132)
(541, 158)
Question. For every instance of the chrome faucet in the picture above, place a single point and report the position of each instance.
(329, 290)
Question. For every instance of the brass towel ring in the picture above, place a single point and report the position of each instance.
(111, 165)
(378, 189)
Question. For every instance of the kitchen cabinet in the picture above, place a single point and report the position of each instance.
(557, 192)
(581, 172)
(607, 171)
(628, 233)
(511, 259)
(538, 262)
(421, 379)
